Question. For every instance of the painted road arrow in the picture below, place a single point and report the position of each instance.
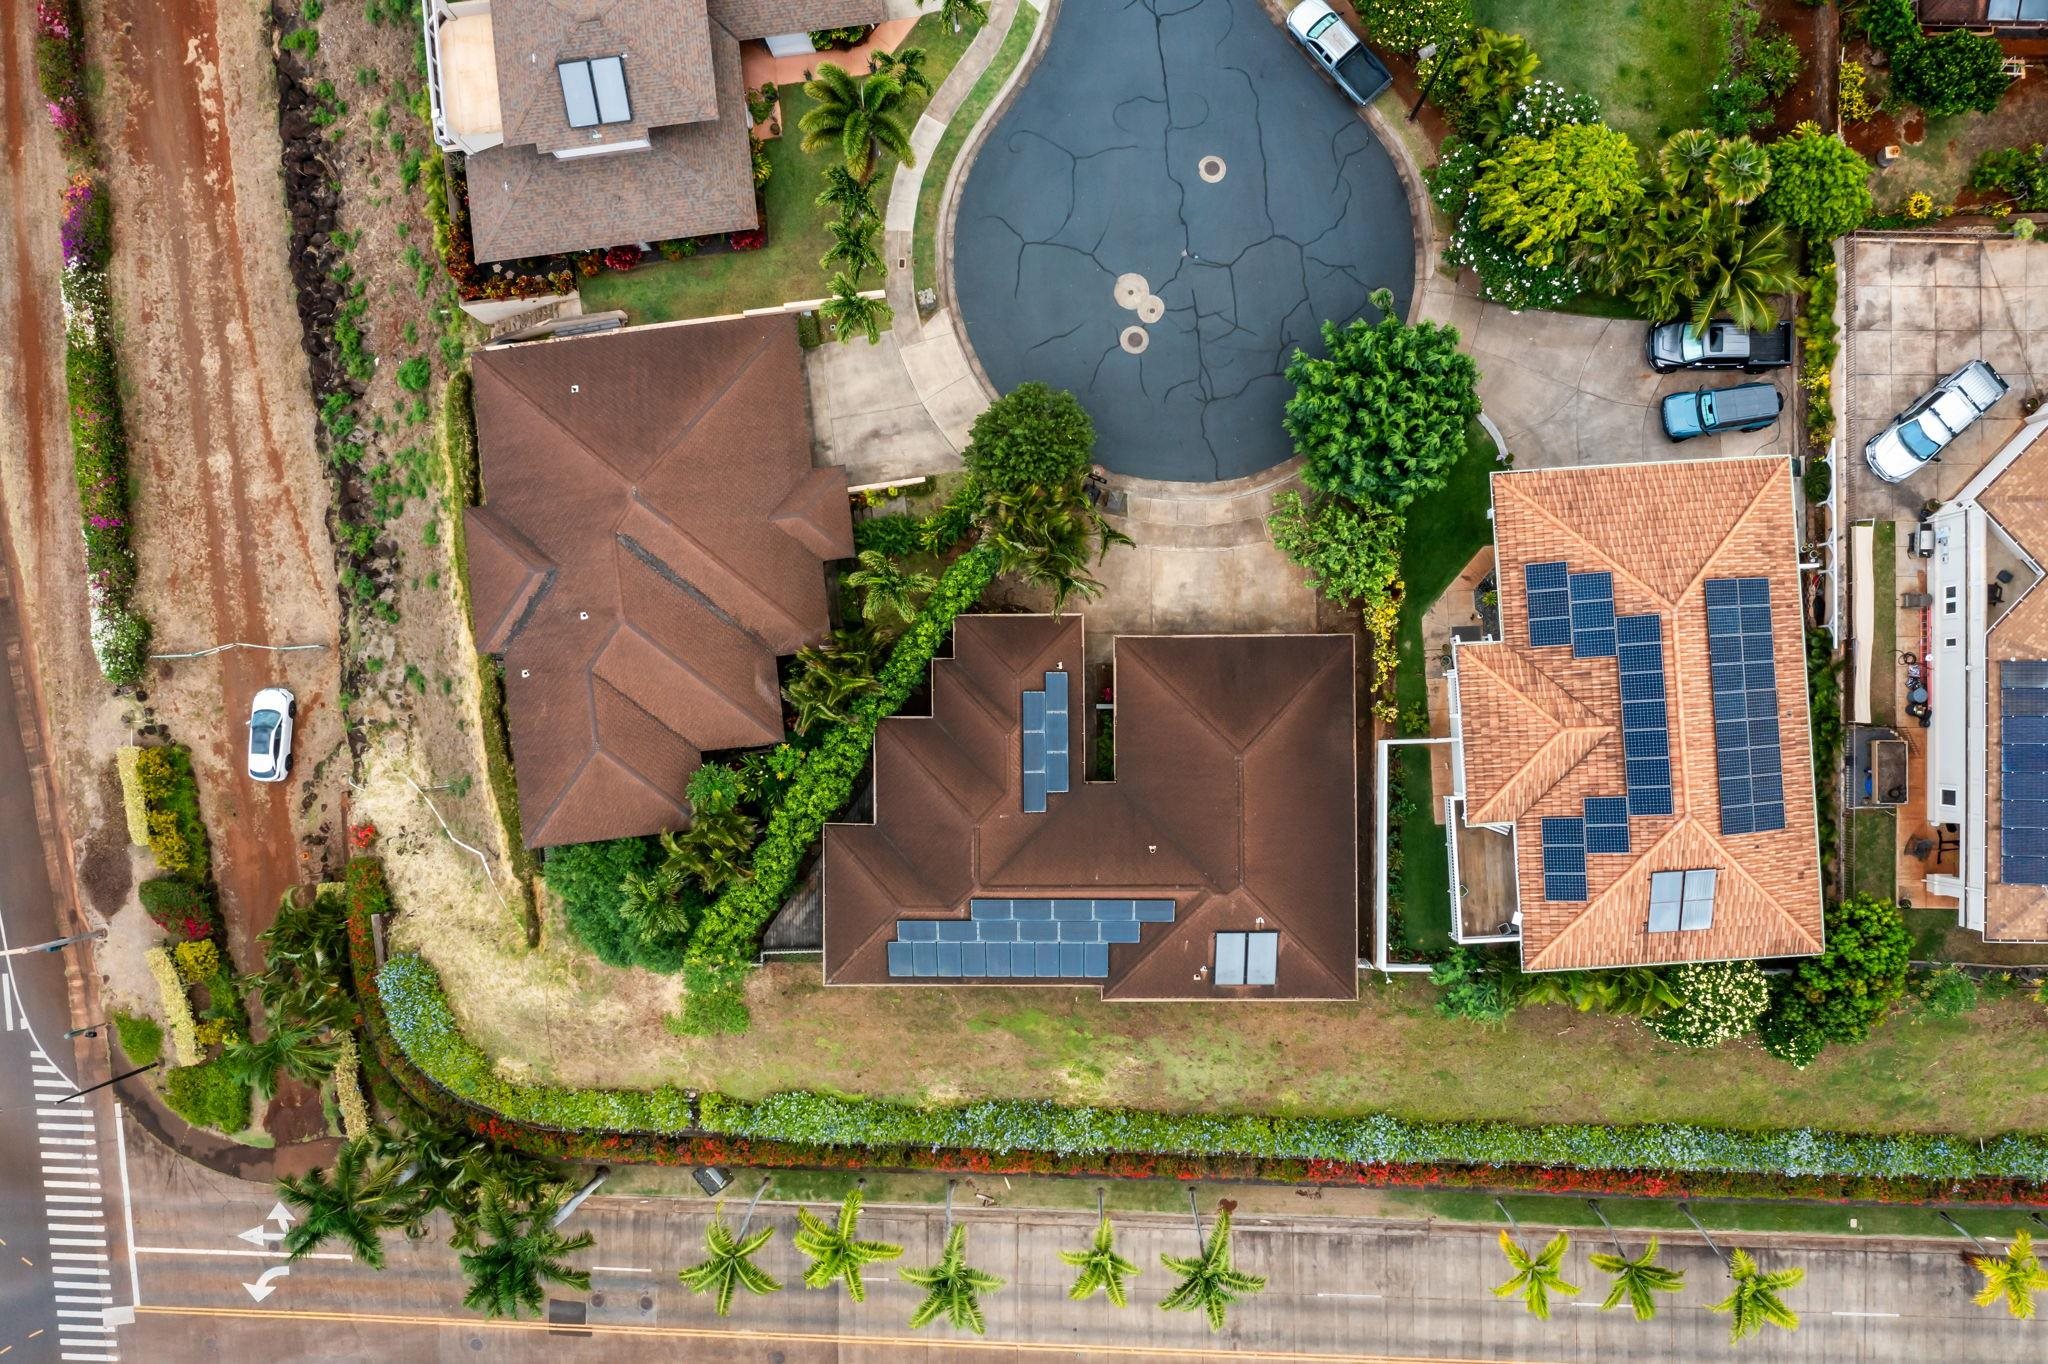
(263, 1235)
(263, 1287)
(280, 1215)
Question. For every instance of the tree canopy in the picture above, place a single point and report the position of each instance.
(1820, 186)
(1951, 72)
(1541, 193)
(1034, 435)
(1840, 995)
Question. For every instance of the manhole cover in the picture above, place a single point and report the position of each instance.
(1211, 168)
(646, 1303)
(1130, 290)
(1135, 339)
(1151, 308)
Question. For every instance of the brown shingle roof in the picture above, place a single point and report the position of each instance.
(636, 563)
(768, 18)
(1540, 728)
(2018, 500)
(1235, 795)
(666, 44)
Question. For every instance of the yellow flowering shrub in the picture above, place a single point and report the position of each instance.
(177, 1008)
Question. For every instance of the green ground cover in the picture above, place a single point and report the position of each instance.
(924, 250)
(1873, 853)
(786, 268)
(1649, 61)
(1884, 586)
(1444, 531)
(1425, 883)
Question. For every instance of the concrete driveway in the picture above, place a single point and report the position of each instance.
(1918, 309)
(1566, 389)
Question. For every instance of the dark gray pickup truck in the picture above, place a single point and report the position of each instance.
(1722, 346)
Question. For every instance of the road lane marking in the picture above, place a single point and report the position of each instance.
(127, 1206)
(1351, 1295)
(77, 1269)
(619, 1269)
(79, 1283)
(75, 1255)
(66, 1226)
(42, 1069)
(67, 1141)
(7, 993)
(251, 1254)
(90, 1357)
(82, 1124)
(71, 1183)
(77, 1241)
(65, 1297)
(72, 1198)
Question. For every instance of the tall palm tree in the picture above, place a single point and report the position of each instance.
(853, 248)
(952, 1287)
(729, 1265)
(905, 65)
(853, 313)
(453, 1169)
(2013, 1279)
(356, 1205)
(887, 588)
(1738, 171)
(1102, 1269)
(299, 1048)
(1208, 1282)
(829, 678)
(517, 1251)
(1755, 1302)
(1536, 1276)
(836, 1254)
(1637, 1281)
(960, 14)
(1751, 266)
(846, 194)
(862, 116)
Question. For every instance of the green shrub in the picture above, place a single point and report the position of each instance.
(1951, 72)
(2021, 172)
(1409, 25)
(1819, 479)
(1718, 1001)
(1890, 24)
(1840, 995)
(589, 879)
(1032, 436)
(1947, 992)
(415, 374)
(179, 907)
(1473, 985)
(207, 1095)
(170, 797)
(142, 1039)
(896, 536)
(1820, 185)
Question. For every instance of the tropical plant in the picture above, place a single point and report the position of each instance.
(853, 313)
(1742, 277)
(836, 1254)
(361, 1200)
(729, 1265)
(1637, 1281)
(1820, 185)
(1352, 552)
(847, 195)
(1536, 1276)
(1102, 1270)
(1632, 992)
(1845, 991)
(1541, 193)
(952, 1287)
(517, 1251)
(449, 1167)
(887, 589)
(862, 116)
(1409, 25)
(1381, 417)
(1032, 436)
(1209, 1283)
(1049, 535)
(905, 66)
(1505, 276)
(1718, 1001)
(959, 14)
(1755, 1303)
(2013, 1279)
(1475, 986)
(1951, 72)
(1890, 24)
(2021, 172)
(1482, 79)
(852, 249)
(829, 678)
(300, 1049)
(712, 853)
(1738, 171)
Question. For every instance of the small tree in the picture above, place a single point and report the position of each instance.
(952, 1287)
(1208, 1283)
(905, 66)
(1840, 995)
(356, 1205)
(1541, 193)
(852, 313)
(1755, 1303)
(2013, 1279)
(729, 1261)
(1951, 72)
(1034, 435)
(1820, 185)
(1718, 1002)
(1536, 1276)
(1102, 1269)
(1352, 553)
(1637, 1281)
(853, 248)
(1482, 79)
(1381, 418)
(836, 1254)
(862, 116)
(847, 195)
(829, 678)
(959, 14)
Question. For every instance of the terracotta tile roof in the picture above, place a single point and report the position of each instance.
(650, 542)
(1541, 729)
(2018, 500)
(1235, 795)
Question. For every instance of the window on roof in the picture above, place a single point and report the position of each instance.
(1682, 901)
(1247, 958)
(594, 91)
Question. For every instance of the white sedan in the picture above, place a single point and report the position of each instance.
(270, 734)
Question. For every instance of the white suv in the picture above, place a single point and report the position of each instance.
(1924, 430)
(270, 734)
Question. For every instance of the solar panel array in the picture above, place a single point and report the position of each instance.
(1045, 742)
(1570, 608)
(1012, 939)
(1645, 714)
(1564, 858)
(1592, 596)
(1550, 603)
(1742, 662)
(2023, 772)
(1606, 824)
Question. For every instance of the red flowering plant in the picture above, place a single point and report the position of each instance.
(752, 239)
(622, 257)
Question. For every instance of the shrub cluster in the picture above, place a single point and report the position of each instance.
(348, 1089)
(2018, 172)
(208, 1095)
(175, 830)
(1409, 25)
(589, 880)
(1943, 73)
(1846, 991)
(177, 1008)
(1820, 344)
(1719, 1001)
(179, 907)
(142, 1039)
(1758, 65)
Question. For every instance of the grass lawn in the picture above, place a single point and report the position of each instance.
(1884, 587)
(1874, 853)
(1444, 531)
(787, 267)
(1425, 888)
(1649, 61)
(924, 250)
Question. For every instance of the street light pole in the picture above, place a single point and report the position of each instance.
(89, 1030)
(59, 945)
(1428, 51)
(79, 1094)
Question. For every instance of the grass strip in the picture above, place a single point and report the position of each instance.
(924, 249)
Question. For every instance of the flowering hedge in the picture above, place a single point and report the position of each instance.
(178, 1020)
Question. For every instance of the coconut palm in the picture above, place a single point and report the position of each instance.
(516, 1252)
(362, 1199)
(1637, 1281)
(2013, 1279)
(852, 249)
(303, 949)
(952, 1287)
(729, 1265)
(836, 1254)
(1738, 171)
(847, 195)
(887, 588)
(1755, 1302)
(1750, 267)
(1536, 1276)
(1208, 1282)
(853, 313)
(296, 1046)
(905, 65)
(1102, 1269)
(862, 116)
(959, 14)
(829, 678)
(452, 1168)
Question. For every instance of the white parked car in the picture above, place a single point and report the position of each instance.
(1337, 50)
(270, 734)
(1924, 430)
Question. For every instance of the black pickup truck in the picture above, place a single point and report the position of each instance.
(1722, 346)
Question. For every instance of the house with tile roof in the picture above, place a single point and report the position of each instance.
(651, 540)
(1639, 731)
(1987, 681)
(1220, 861)
(584, 124)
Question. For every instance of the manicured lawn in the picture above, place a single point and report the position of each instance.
(1649, 61)
(1444, 531)
(1424, 891)
(1874, 853)
(924, 251)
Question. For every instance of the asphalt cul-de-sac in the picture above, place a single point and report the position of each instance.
(1174, 202)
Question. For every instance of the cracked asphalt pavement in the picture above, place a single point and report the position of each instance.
(1190, 143)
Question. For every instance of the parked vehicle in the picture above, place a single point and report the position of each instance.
(1723, 345)
(1337, 50)
(1924, 430)
(1710, 411)
(270, 734)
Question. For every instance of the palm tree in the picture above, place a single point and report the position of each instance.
(952, 1287)
(713, 852)
(297, 1047)
(861, 115)
(1738, 171)
(853, 248)
(1683, 159)
(1536, 1276)
(453, 1169)
(1208, 1281)
(1755, 1302)
(1637, 1281)
(730, 1263)
(853, 313)
(829, 678)
(961, 13)
(1490, 71)
(2012, 1279)
(905, 66)
(847, 195)
(303, 948)
(1048, 535)
(887, 588)
(836, 1254)
(1749, 268)
(1102, 1269)
(356, 1205)
(517, 1250)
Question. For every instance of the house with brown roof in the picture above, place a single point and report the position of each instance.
(585, 124)
(1639, 729)
(1986, 673)
(651, 539)
(1220, 862)
(2016, 17)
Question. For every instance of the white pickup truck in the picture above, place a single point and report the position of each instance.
(1924, 430)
